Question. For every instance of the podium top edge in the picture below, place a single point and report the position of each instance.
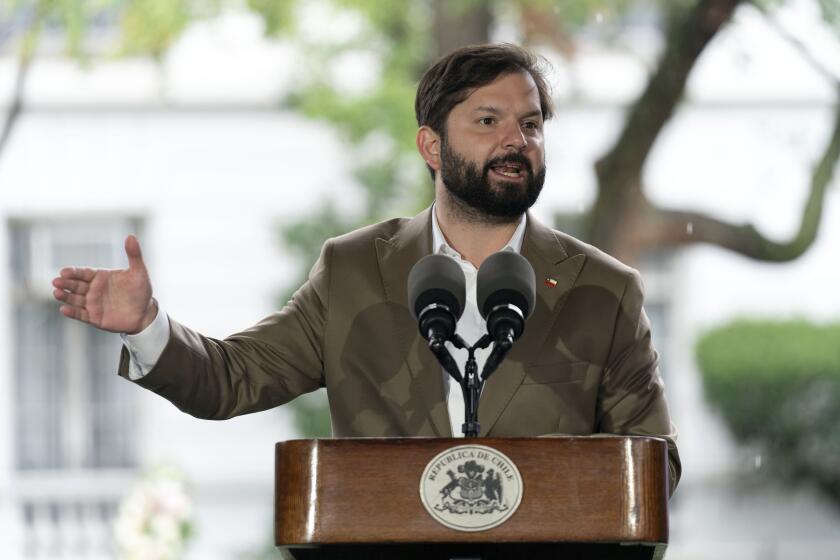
(636, 439)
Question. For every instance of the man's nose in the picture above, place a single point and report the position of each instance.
(514, 138)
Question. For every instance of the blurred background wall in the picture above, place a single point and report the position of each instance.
(234, 137)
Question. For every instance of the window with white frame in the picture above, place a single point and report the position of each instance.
(72, 410)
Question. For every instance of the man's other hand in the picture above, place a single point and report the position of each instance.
(112, 300)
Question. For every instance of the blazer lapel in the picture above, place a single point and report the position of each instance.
(396, 257)
(551, 264)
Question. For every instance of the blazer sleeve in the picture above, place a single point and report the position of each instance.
(632, 395)
(269, 364)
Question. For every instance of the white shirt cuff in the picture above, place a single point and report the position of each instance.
(145, 347)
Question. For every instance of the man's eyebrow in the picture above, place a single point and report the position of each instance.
(487, 109)
(495, 111)
(534, 113)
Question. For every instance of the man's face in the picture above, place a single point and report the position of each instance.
(492, 157)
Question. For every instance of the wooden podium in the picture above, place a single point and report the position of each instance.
(581, 497)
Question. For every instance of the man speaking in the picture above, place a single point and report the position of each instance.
(584, 365)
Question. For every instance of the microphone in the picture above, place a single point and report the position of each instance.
(506, 290)
(436, 294)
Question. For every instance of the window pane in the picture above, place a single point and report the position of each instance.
(39, 385)
(72, 410)
(111, 401)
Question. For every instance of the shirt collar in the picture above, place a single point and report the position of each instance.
(440, 245)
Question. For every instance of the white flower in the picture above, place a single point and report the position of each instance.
(155, 519)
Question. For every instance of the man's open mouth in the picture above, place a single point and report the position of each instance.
(511, 170)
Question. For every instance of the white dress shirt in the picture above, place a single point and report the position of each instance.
(471, 326)
(145, 347)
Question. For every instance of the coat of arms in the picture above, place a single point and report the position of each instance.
(471, 487)
(472, 491)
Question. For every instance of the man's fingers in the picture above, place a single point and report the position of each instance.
(75, 286)
(73, 299)
(133, 252)
(74, 273)
(75, 313)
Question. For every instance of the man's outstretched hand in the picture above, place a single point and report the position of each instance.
(112, 300)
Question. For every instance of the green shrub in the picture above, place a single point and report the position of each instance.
(777, 385)
(311, 415)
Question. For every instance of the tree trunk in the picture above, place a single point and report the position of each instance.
(625, 224)
(619, 172)
(457, 24)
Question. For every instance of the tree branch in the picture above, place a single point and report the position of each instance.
(619, 171)
(27, 53)
(678, 227)
(803, 50)
(685, 42)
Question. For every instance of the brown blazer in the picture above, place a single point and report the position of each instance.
(584, 365)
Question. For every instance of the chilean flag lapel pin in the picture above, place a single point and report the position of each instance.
(550, 282)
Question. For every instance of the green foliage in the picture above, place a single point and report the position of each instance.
(312, 415)
(580, 13)
(377, 124)
(831, 13)
(75, 16)
(767, 5)
(72, 17)
(306, 238)
(277, 14)
(777, 385)
(147, 27)
(151, 26)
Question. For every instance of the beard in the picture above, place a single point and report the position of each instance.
(472, 191)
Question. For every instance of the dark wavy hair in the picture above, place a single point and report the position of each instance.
(451, 79)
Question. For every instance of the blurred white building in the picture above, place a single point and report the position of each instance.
(198, 163)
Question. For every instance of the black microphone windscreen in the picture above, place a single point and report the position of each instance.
(506, 277)
(436, 279)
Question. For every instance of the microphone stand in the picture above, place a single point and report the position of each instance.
(471, 383)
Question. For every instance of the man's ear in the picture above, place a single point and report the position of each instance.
(428, 144)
